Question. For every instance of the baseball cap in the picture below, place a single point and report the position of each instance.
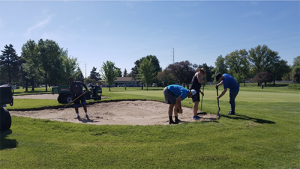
(193, 92)
(218, 76)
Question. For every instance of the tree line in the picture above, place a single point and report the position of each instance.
(46, 63)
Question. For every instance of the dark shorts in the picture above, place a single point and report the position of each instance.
(196, 97)
(169, 96)
(80, 101)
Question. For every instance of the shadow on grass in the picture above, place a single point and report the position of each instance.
(7, 143)
(244, 117)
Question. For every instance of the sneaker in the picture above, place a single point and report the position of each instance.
(196, 117)
(231, 113)
(87, 117)
(177, 121)
(172, 122)
(78, 117)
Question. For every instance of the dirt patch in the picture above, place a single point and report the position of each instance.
(117, 113)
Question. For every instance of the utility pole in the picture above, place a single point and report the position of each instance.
(173, 55)
(85, 69)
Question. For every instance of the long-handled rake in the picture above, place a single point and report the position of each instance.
(201, 112)
(218, 114)
(75, 99)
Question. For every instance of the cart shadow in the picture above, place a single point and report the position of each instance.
(7, 143)
(244, 117)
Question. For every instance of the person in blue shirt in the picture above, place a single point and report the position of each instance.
(174, 94)
(228, 82)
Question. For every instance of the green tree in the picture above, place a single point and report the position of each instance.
(94, 74)
(279, 69)
(148, 71)
(9, 64)
(31, 63)
(209, 72)
(296, 74)
(50, 61)
(125, 74)
(135, 70)
(183, 72)
(262, 59)
(70, 65)
(238, 65)
(296, 61)
(109, 72)
(166, 77)
(220, 66)
(119, 72)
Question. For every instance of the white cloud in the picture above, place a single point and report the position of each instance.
(40, 24)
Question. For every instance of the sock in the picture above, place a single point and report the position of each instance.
(77, 114)
(86, 113)
(170, 118)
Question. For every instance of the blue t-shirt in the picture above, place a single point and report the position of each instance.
(230, 82)
(178, 90)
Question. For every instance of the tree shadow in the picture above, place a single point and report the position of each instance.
(7, 143)
(244, 117)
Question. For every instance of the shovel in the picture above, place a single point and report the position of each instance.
(218, 114)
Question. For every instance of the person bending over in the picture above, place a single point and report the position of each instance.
(174, 94)
(228, 82)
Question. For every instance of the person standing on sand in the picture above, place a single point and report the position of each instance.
(76, 91)
(174, 94)
(196, 85)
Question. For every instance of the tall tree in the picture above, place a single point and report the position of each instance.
(31, 63)
(119, 72)
(183, 72)
(220, 66)
(262, 59)
(48, 53)
(279, 69)
(70, 66)
(296, 61)
(166, 77)
(135, 70)
(109, 72)
(147, 69)
(94, 74)
(238, 65)
(9, 63)
(125, 74)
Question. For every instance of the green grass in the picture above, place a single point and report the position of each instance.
(264, 134)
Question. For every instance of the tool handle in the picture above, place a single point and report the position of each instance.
(76, 99)
(218, 99)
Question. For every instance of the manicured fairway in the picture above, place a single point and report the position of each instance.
(264, 134)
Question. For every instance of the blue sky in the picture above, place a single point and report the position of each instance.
(125, 31)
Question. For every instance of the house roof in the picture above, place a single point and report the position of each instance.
(124, 79)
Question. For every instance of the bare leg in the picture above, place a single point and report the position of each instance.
(170, 111)
(195, 107)
(84, 108)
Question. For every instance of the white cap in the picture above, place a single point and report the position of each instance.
(193, 92)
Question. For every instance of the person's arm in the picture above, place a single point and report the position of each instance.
(217, 85)
(223, 92)
(199, 77)
(86, 89)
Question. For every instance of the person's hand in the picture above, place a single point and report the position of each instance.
(202, 93)
(218, 97)
(216, 86)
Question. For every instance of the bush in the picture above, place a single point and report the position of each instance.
(294, 86)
